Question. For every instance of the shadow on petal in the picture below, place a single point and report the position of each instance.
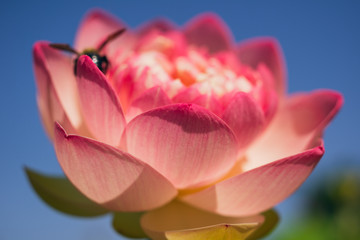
(186, 143)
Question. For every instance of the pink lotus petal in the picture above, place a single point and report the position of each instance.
(129, 85)
(270, 97)
(258, 189)
(101, 108)
(172, 44)
(244, 117)
(124, 86)
(151, 98)
(111, 178)
(158, 25)
(186, 143)
(55, 78)
(210, 103)
(230, 60)
(140, 73)
(47, 100)
(192, 95)
(268, 51)
(299, 120)
(131, 82)
(177, 217)
(51, 111)
(209, 31)
(187, 95)
(314, 110)
(96, 27)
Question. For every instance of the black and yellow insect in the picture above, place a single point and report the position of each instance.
(98, 59)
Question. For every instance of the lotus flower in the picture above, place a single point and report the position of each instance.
(184, 120)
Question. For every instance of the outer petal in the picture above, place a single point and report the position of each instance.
(258, 189)
(180, 221)
(244, 117)
(49, 104)
(186, 143)
(151, 98)
(299, 120)
(111, 178)
(96, 26)
(57, 91)
(209, 31)
(101, 108)
(265, 50)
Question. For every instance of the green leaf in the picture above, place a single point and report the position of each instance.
(271, 220)
(218, 232)
(60, 194)
(128, 224)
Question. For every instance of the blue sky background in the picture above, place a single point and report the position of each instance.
(321, 42)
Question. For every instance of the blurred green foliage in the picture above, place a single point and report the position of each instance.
(331, 212)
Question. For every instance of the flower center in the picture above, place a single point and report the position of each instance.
(167, 61)
(209, 75)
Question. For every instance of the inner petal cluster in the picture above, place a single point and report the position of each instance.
(166, 60)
